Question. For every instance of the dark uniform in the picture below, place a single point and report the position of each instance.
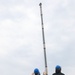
(58, 74)
(58, 71)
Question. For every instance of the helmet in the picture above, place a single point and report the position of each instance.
(36, 70)
(58, 67)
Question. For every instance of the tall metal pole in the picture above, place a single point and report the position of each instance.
(43, 35)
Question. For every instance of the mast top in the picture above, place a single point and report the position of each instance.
(40, 4)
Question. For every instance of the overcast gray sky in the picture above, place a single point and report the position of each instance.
(21, 48)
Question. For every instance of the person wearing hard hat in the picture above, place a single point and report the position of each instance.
(36, 72)
(58, 71)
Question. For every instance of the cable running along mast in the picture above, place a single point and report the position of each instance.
(43, 35)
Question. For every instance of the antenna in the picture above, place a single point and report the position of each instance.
(43, 36)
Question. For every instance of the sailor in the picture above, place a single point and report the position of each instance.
(58, 71)
(36, 72)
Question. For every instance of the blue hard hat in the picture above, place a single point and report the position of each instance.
(58, 67)
(36, 70)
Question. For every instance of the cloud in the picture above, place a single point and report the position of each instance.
(21, 48)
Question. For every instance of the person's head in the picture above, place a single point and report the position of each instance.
(58, 69)
(36, 71)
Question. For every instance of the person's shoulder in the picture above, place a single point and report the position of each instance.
(58, 74)
(54, 74)
(62, 73)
